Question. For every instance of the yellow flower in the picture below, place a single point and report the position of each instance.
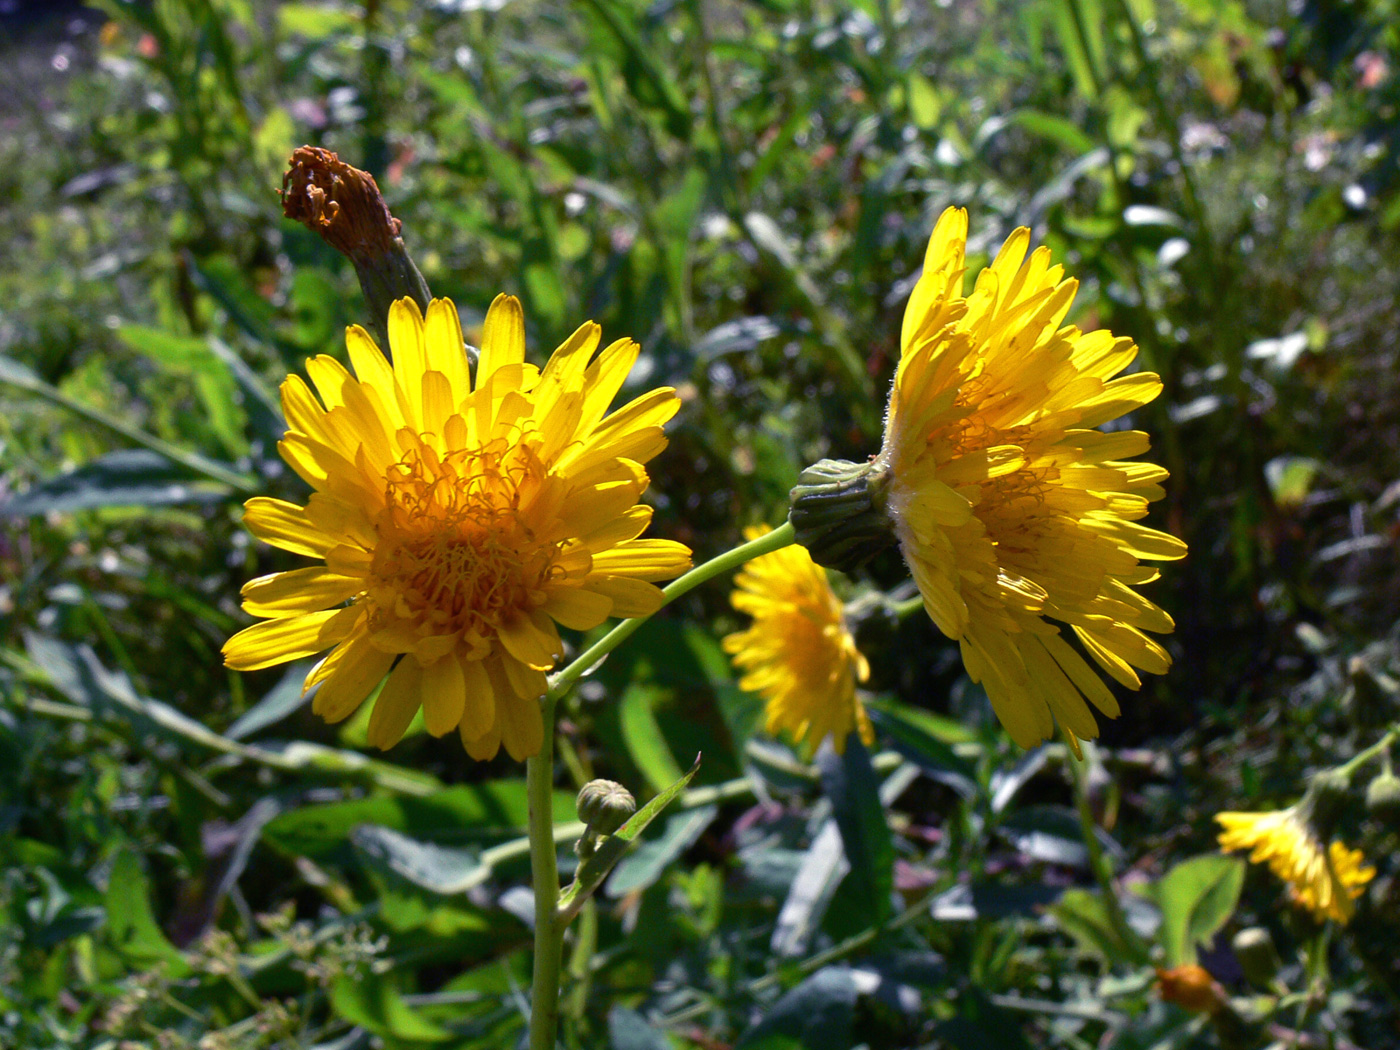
(798, 654)
(1323, 881)
(461, 518)
(1010, 508)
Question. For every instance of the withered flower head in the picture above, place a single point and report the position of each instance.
(340, 202)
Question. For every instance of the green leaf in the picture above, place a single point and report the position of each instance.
(490, 811)
(819, 1014)
(1056, 129)
(849, 781)
(190, 357)
(280, 701)
(646, 78)
(648, 862)
(126, 478)
(628, 1030)
(981, 1025)
(131, 925)
(643, 737)
(1083, 915)
(592, 871)
(1196, 898)
(437, 868)
(372, 1003)
(912, 738)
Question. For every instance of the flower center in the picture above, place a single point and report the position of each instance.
(455, 554)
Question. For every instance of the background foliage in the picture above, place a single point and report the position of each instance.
(189, 858)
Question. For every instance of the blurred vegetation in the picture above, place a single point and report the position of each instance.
(189, 858)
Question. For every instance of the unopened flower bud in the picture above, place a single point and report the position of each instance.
(605, 806)
(839, 514)
(1383, 799)
(1321, 805)
(1257, 956)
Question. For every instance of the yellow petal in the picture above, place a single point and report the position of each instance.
(444, 695)
(524, 641)
(348, 676)
(479, 706)
(442, 330)
(285, 525)
(396, 704)
(522, 728)
(278, 641)
(629, 597)
(644, 560)
(298, 591)
(576, 608)
(483, 747)
(502, 337)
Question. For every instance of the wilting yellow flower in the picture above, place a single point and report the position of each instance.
(1325, 881)
(798, 653)
(461, 517)
(1011, 509)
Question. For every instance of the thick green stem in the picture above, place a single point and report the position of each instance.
(544, 870)
(1362, 757)
(539, 784)
(765, 544)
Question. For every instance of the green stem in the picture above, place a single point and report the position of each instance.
(1362, 757)
(1099, 863)
(907, 607)
(776, 540)
(544, 870)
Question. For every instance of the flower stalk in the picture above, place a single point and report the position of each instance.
(539, 785)
(779, 538)
(544, 874)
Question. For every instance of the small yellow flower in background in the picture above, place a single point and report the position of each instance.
(1010, 508)
(798, 654)
(461, 517)
(1325, 881)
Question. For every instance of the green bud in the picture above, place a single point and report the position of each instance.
(1323, 802)
(838, 512)
(1258, 958)
(605, 806)
(1383, 799)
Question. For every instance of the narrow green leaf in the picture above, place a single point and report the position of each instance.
(592, 871)
(642, 734)
(849, 781)
(125, 478)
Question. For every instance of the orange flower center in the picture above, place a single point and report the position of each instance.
(455, 555)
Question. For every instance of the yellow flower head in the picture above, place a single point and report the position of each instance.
(1010, 508)
(1325, 881)
(461, 518)
(798, 654)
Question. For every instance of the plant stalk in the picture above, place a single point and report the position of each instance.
(544, 872)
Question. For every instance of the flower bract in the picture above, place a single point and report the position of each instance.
(460, 515)
(1015, 514)
(798, 653)
(1325, 881)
